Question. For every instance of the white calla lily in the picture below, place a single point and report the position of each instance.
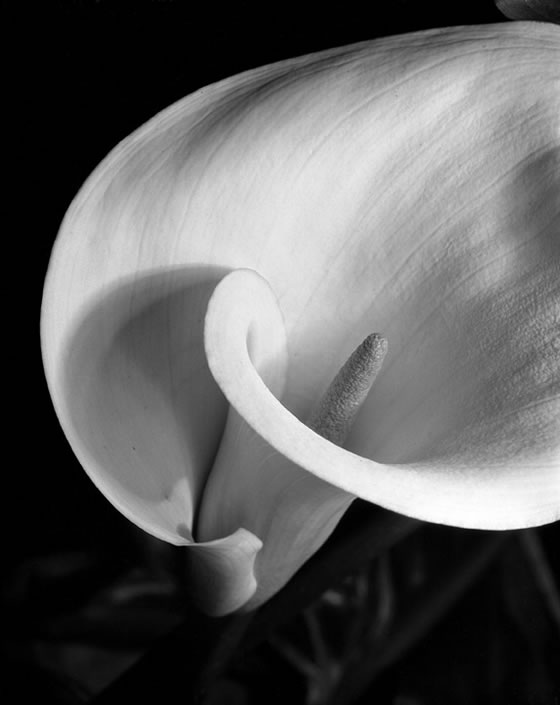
(409, 185)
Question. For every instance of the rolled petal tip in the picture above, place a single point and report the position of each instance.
(222, 573)
(466, 482)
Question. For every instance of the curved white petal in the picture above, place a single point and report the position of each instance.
(408, 185)
(133, 391)
(254, 484)
(477, 483)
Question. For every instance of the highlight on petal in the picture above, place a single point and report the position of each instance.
(484, 476)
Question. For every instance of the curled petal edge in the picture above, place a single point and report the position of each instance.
(481, 496)
(222, 576)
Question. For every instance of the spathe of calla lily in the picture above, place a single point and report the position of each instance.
(246, 240)
(541, 10)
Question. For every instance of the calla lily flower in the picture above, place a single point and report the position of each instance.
(219, 267)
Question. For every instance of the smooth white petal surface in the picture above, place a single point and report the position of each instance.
(409, 185)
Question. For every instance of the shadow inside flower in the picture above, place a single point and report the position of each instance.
(143, 405)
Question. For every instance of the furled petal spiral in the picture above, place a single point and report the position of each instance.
(409, 185)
